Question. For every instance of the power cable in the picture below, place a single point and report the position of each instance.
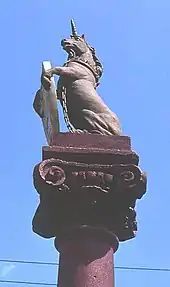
(27, 283)
(28, 262)
(56, 264)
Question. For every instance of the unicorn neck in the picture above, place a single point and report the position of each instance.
(87, 60)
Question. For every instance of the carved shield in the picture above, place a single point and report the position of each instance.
(46, 101)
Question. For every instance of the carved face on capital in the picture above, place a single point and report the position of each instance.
(75, 46)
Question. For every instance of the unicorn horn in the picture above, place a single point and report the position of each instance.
(73, 28)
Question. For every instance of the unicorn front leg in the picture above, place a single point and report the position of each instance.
(61, 71)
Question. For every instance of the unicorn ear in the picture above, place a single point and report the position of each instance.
(83, 36)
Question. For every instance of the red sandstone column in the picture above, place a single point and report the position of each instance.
(86, 182)
(86, 258)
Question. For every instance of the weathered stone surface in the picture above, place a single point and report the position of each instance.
(85, 183)
(86, 258)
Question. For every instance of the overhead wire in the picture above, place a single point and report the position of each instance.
(27, 283)
(56, 264)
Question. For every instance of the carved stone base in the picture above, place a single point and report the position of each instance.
(89, 180)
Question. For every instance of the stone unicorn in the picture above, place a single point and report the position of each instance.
(84, 110)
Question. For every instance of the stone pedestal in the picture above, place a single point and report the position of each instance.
(88, 187)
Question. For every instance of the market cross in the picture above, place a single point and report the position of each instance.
(88, 179)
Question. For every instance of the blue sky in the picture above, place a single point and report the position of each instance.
(132, 38)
